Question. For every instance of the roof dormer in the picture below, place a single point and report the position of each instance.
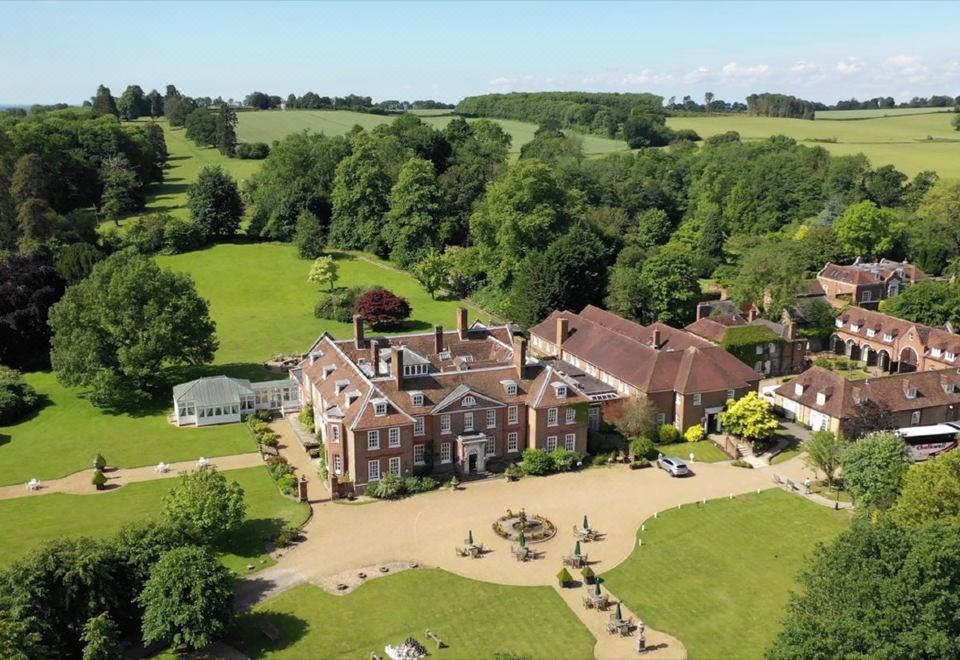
(910, 391)
(821, 398)
(341, 385)
(510, 387)
(416, 398)
(379, 407)
(328, 369)
(798, 389)
(352, 396)
(560, 390)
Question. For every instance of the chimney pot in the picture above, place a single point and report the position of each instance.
(438, 339)
(358, 331)
(703, 311)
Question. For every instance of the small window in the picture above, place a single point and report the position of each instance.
(491, 448)
(759, 349)
(950, 356)
(915, 417)
(335, 433)
(469, 401)
(468, 421)
(393, 437)
(419, 454)
(513, 442)
(551, 442)
(731, 395)
(491, 419)
(821, 398)
(887, 336)
(839, 323)
(561, 391)
(936, 352)
(513, 414)
(911, 392)
(661, 419)
(203, 412)
(418, 399)
(512, 389)
(552, 416)
(395, 466)
(445, 452)
(418, 426)
(570, 441)
(373, 440)
(218, 411)
(697, 399)
(444, 423)
(570, 415)
(854, 327)
(867, 296)
(337, 464)
(380, 408)
(373, 470)
(798, 389)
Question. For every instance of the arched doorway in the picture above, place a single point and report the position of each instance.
(908, 360)
(868, 355)
(837, 344)
(883, 360)
(853, 351)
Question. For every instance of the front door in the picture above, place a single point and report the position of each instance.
(472, 463)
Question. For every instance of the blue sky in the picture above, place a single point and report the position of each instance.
(61, 51)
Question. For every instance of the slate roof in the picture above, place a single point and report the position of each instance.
(861, 273)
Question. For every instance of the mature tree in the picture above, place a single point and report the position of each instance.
(104, 103)
(115, 331)
(226, 130)
(653, 228)
(310, 236)
(917, 189)
(35, 224)
(873, 469)
(75, 261)
(884, 186)
(101, 638)
(188, 600)
(769, 276)
(646, 129)
(17, 397)
(121, 188)
(432, 271)
(132, 104)
(625, 292)
(931, 492)
(552, 146)
(155, 104)
(877, 591)
(29, 285)
(750, 417)
(382, 308)
(929, 302)
(31, 179)
(670, 287)
(824, 450)
(177, 109)
(215, 204)
(360, 198)
(933, 236)
(205, 504)
(868, 231)
(419, 137)
(413, 223)
(868, 416)
(201, 125)
(324, 271)
(635, 417)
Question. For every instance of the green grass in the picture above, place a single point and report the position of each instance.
(476, 619)
(270, 126)
(830, 492)
(717, 577)
(785, 456)
(874, 114)
(703, 451)
(67, 433)
(911, 142)
(263, 304)
(43, 517)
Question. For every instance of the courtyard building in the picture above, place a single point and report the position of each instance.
(866, 283)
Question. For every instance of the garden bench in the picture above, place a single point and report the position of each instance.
(777, 480)
(436, 638)
(791, 485)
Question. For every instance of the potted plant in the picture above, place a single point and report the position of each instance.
(588, 575)
(564, 577)
(99, 480)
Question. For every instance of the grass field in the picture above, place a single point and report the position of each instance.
(874, 114)
(911, 142)
(44, 517)
(718, 576)
(476, 620)
(263, 304)
(270, 126)
(703, 451)
(67, 433)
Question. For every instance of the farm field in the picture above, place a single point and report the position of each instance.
(718, 576)
(910, 142)
(44, 517)
(879, 112)
(270, 126)
(476, 620)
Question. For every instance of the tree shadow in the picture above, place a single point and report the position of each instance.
(257, 634)
(4, 439)
(42, 402)
(248, 540)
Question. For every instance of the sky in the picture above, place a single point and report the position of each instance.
(823, 51)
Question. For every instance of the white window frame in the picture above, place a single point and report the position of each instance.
(551, 442)
(491, 448)
(512, 389)
(839, 323)
(380, 408)
(854, 327)
(373, 470)
(446, 452)
(570, 441)
(697, 399)
(661, 419)
(866, 296)
(513, 414)
(419, 426)
(393, 437)
(373, 440)
(513, 441)
(759, 349)
(335, 434)
(337, 464)
(492, 418)
(468, 401)
(561, 391)
(419, 454)
(731, 395)
(821, 398)
(871, 332)
(553, 416)
(444, 424)
(887, 336)
(570, 415)
(418, 399)
(468, 421)
(394, 466)
(915, 417)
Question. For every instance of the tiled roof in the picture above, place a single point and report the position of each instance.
(670, 338)
(871, 272)
(882, 324)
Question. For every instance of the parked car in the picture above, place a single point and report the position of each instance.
(673, 465)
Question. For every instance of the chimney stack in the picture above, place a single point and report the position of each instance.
(358, 331)
(375, 357)
(703, 311)
(462, 322)
(398, 366)
(752, 314)
(563, 330)
(655, 339)
(438, 339)
(520, 355)
(791, 330)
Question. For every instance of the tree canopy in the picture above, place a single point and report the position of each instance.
(205, 503)
(873, 469)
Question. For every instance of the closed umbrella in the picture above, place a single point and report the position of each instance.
(576, 550)
(470, 537)
(619, 614)
(523, 539)
(586, 525)
(597, 589)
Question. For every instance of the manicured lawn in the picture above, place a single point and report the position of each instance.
(67, 433)
(476, 619)
(29, 521)
(270, 126)
(263, 304)
(911, 142)
(784, 456)
(717, 577)
(703, 451)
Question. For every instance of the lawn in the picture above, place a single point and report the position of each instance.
(274, 125)
(703, 451)
(263, 304)
(879, 112)
(67, 433)
(911, 142)
(476, 619)
(41, 518)
(718, 576)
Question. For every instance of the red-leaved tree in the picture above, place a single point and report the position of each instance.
(380, 307)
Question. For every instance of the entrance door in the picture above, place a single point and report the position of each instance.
(472, 463)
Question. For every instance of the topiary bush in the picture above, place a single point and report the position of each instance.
(513, 471)
(668, 434)
(588, 575)
(99, 463)
(564, 577)
(99, 480)
(537, 462)
(695, 433)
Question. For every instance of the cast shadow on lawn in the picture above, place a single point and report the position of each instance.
(250, 539)
(252, 632)
(4, 439)
(42, 402)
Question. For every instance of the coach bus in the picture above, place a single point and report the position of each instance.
(925, 442)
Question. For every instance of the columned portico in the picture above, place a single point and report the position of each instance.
(472, 453)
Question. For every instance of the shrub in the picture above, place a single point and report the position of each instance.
(382, 308)
(273, 461)
(587, 574)
(17, 397)
(686, 134)
(286, 536)
(603, 457)
(668, 434)
(287, 484)
(310, 236)
(695, 433)
(741, 464)
(99, 480)
(339, 305)
(537, 462)
(99, 463)
(415, 485)
(564, 577)
(306, 417)
(514, 471)
(563, 459)
(454, 482)
(253, 150)
(823, 363)
(642, 447)
(390, 487)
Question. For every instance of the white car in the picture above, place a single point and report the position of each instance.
(673, 465)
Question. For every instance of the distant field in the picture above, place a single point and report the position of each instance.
(874, 114)
(270, 126)
(910, 142)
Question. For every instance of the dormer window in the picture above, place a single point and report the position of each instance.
(341, 385)
(798, 389)
(560, 389)
(468, 401)
(352, 396)
(821, 398)
(950, 388)
(887, 336)
(380, 407)
(936, 352)
(911, 392)
(854, 327)
(871, 332)
(415, 369)
(328, 369)
(510, 387)
(950, 356)
(839, 323)
(416, 398)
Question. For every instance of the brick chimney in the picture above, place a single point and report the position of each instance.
(520, 355)
(438, 339)
(703, 310)
(790, 330)
(397, 360)
(358, 331)
(655, 339)
(375, 357)
(752, 314)
(563, 331)
(462, 322)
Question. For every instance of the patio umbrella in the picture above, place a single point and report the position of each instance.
(523, 539)
(470, 537)
(576, 550)
(586, 525)
(619, 614)
(597, 589)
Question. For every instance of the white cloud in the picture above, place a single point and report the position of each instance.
(698, 74)
(911, 67)
(745, 73)
(849, 66)
(952, 69)
(804, 68)
(511, 81)
(646, 77)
